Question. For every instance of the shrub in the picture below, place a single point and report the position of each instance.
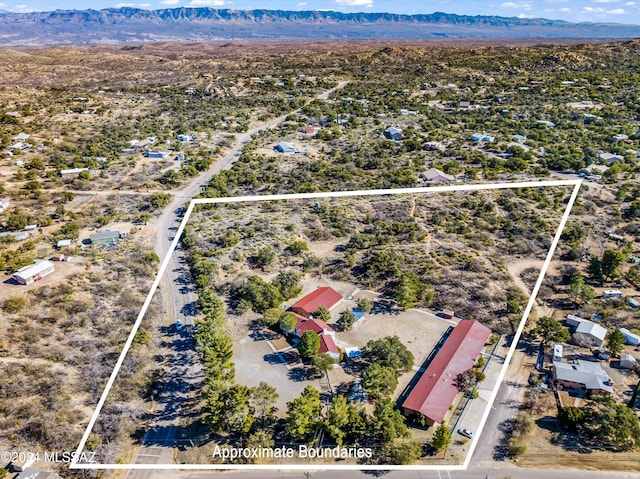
(15, 304)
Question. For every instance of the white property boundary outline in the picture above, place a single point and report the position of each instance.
(380, 192)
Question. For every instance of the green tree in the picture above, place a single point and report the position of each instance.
(323, 363)
(271, 316)
(441, 438)
(409, 290)
(346, 320)
(296, 247)
(579, 291)
(259, 294)
(515, 447)
(322, 313)
(287, 283)
(379, 381)
(594, 269)
(571, 417)
(364, 305)
(287, 322)
(549, 330)
(612, 425)
(304, 414)
(615, 341)
(259, 439)
(265, 257)
(238, 413)
(309, 344)
(388, 423)
(401, 451)
(263, 399)
(338, 419)
(390, 352)
(611, 261)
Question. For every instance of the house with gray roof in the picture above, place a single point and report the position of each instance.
(585, 376)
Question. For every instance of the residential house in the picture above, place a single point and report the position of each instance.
(72, 172)
(34, 272)
(434, 146)
(585, 376)
(610, 157)
(434, 175)
(21, 137)
(285, 147)
(156, 155)
(63, 243)
(482, 137)
(105, 237)
(619, 137)
(186, 137)
(436, 389)
(326, 334)
(393, 133)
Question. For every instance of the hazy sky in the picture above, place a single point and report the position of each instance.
(620, 11)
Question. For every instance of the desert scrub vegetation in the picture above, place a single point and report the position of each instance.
(60, 344)
(440, 251)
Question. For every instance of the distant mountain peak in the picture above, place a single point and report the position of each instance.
(196, 24)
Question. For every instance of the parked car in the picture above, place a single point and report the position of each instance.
(466, 433)
(178, 325)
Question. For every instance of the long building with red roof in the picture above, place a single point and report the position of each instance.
(436, 390)
(324, 296)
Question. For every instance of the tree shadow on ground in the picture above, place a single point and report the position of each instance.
(567, 440)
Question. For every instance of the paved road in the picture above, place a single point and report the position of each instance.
(175, 402)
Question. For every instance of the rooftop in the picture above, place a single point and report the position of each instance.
(436, 389)
(323, 296)
(588, 373)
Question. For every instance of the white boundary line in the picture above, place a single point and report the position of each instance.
(380, 192)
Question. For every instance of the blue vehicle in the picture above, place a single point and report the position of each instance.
(178, 325)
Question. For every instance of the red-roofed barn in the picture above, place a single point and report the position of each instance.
(324, 296)
(436, 390)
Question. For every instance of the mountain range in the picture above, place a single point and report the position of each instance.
(133, 25)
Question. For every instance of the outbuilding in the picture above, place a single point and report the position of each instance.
(34, 272)
(629, 337)
(589, 334)
(557, 352)
(627, 361)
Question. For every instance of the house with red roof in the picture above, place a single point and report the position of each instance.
(324, 296)
(436, 389)
(326, 333)
(303, 309)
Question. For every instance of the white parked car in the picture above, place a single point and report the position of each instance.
(465, 432)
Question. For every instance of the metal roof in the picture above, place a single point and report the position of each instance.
(436, 389)
(588, 373)
(324, 296)
(33, 269)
